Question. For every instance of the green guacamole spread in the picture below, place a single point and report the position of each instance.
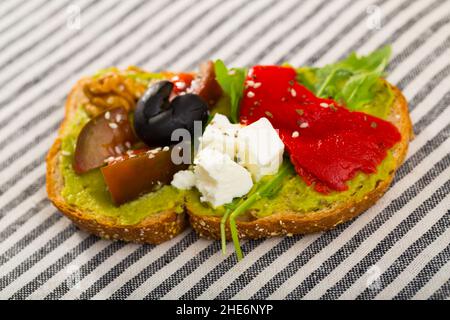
(89, 192)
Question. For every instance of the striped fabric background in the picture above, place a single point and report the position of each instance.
(399, 249)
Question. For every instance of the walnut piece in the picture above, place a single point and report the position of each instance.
(113, 89)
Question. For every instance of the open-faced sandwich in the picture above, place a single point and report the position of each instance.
(244, 153)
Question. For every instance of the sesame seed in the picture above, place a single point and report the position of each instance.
(65, 153)
(295, 134)
(128, 144)
(397, 116)
(107, 115)
(110, 100)
(257, 85)
(250, 94)
(304, 125)
(324, 105)
(250, 83)
(151, 155)
(155, 151)
(269, 114)
(165, 149)
(181, 85)
(118, 117)
(113, 125)
(118, 149)
(110, 159)
(293, 93)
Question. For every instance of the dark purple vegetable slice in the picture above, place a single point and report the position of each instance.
(107, 135)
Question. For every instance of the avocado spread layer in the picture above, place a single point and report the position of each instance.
(89, 193)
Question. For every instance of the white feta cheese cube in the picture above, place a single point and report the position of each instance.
(220, 135)
(219, 179)
(184, 180)
(260, 149)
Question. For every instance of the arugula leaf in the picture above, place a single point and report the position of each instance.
(350, 80)
(356, 92)
(232, 83)
(264, 189)
(229, 209)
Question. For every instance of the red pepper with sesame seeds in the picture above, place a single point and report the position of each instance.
(181, 81)
(327, 143)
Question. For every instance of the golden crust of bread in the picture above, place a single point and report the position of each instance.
(154, 229)
(290, 223)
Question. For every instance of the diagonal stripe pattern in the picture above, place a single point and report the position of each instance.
(405, 237)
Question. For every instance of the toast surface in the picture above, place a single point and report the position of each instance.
(154, 229)
(289, 223)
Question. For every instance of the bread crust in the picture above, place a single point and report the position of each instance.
(154, 229)
(290, 223)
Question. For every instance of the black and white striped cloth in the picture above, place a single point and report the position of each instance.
(399, 249)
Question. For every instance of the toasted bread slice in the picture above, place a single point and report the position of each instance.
(290, 223)
(163, 226)
(154, 229)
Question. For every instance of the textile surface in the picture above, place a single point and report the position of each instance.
(398, 249)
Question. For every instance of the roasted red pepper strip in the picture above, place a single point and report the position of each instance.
(327, 143)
